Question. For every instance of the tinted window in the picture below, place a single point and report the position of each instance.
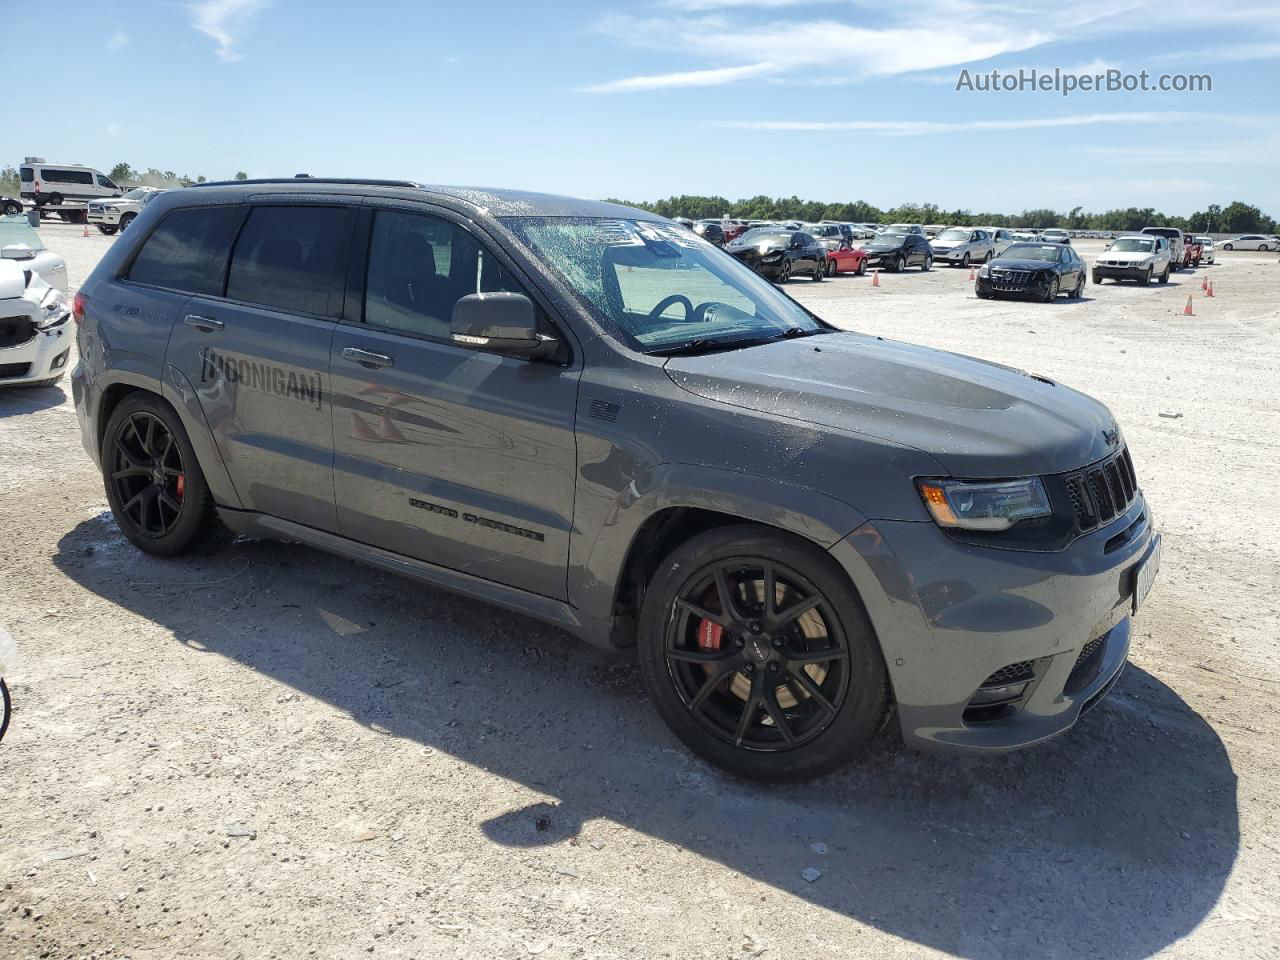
(104, 182)
(292, 258)
(419, 267)
(26, 174)
(67, 176)
(188, 251)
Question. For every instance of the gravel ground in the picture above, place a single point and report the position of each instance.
(270, 752)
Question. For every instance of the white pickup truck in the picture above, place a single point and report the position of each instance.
(118, 213)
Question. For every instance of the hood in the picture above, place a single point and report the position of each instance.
(752, 248)
(1017, 263)
(13, 280)
(879, 245)
(977, 419)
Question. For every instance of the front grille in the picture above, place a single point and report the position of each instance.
(1019, 277)
(10, 371)
(15, 331)
(1104, 491)
(1013, 673)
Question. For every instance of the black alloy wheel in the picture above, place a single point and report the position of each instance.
(1051, 291)
(147, 475)
(899, 264)
(784, 271)
(757, 652)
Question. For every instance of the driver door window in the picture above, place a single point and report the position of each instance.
(419, 267)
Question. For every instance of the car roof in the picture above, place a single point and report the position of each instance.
(496, 202)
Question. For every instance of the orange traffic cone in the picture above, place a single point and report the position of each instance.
(86, 229)
(972, 276)
(875, 278)
(1204, 283)
(1209, 292)
(1187, 311)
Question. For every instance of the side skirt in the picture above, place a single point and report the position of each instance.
(555, 612)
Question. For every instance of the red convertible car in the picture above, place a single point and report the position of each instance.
(846, 260)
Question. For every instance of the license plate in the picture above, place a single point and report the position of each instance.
(1145, 575)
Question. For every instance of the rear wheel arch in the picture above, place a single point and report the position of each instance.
(111, 398)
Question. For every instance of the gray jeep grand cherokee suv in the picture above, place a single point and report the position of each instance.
(586, 413)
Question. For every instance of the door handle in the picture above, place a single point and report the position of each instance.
(207, 324)
(366, 358)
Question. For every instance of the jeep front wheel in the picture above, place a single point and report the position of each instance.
(757, 651)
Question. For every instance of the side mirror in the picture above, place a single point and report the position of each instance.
(17, 251)
(500, 323)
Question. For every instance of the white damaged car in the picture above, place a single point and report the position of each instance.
(1142, 257)
(35, 340)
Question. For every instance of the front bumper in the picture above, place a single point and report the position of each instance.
(884, 259)
(770, 268)
(951, 617)
(1032, 287)
(39, 358)
(1122, 273)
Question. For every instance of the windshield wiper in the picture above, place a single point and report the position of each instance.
(703, 345)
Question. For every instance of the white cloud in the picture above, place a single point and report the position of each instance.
(701, 5)
(916, 128)
(221, 21)
(115, 130)
(691, 78)
(118, 40)
(837, 49)
(1233, 53)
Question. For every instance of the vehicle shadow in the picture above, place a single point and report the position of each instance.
(19, 401)
(1115, 840)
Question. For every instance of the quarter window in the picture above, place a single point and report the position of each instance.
(188, 251)
(419, 267)
(292, 259)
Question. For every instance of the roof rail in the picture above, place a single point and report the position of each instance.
(302, 179)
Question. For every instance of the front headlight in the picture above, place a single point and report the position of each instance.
(53, 311)
(984, 504)
(984, 271)
(772, 257)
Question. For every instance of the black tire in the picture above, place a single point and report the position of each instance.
(861, 270)
(964, 262)
(55, 199)
(6, 708)
(1263, 248)
(107, 229)
(1052, 290)
(1079, 291)
(744, 716)
(784, 271)
(181, 505)
(1227, 246)
(1097, 280)
(831, 268)
(125, 220)
(927, 265)
(1164, 277)
(820, 270)
(991, 254)
(12, 208)
(1145, 279)
(899, 264)
(984, 295)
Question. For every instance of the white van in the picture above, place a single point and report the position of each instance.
(56, 183)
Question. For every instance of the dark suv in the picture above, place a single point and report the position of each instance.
(585, 413)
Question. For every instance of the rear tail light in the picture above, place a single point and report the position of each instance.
(77, 307)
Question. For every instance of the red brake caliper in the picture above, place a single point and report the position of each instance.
(709, 635)
(180, 487)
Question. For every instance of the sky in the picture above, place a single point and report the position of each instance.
(836, 100)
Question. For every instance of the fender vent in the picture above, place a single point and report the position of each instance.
(603, 410)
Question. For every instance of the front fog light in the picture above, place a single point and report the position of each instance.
(984, 505)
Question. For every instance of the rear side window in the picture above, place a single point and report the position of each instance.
(26, 174)
(67, 176)
(188, 251)
(293, 259)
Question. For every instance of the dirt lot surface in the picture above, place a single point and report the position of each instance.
(270, 752)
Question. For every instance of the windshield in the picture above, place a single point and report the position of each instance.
(137, 193)
(1133, 245)
(1033, 251)
(889, 236)
(17, 230)
(954, 235)
(764, 235)
(658, 286)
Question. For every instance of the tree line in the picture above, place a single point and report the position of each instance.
(1238, 217)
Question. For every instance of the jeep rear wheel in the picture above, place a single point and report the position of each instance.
(757, 652)
(154, 484)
